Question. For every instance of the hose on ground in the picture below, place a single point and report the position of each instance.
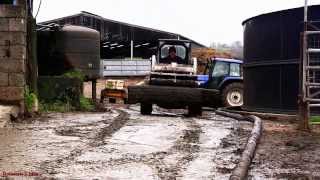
(241, 170)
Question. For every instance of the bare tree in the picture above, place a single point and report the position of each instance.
(235, 48)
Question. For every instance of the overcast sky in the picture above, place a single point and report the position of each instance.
(205, 21)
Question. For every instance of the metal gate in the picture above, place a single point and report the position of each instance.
(122, 67)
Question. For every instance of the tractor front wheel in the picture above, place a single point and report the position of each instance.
(232, 95)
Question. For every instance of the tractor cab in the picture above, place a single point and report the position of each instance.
(181, 64)
(224, 75)
(182, 48)
(218, 70)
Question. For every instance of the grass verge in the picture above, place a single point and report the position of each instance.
(315, 120)
(85, 104)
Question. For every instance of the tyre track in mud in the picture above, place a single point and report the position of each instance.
(48, 167)
(186, 145)
(108, 131)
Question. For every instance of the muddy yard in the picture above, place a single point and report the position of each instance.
(122, 144)
(286, 153)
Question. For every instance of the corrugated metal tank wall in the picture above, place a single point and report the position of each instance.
(271, 59)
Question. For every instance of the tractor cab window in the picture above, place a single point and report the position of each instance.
(235, 69)
(13, 2)
(220, 69)
(181, 52)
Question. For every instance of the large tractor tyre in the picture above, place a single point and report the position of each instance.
(232, 95)
(145, 108)
(194, 110)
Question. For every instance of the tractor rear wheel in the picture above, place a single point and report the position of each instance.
(146, 108)
(232, 95)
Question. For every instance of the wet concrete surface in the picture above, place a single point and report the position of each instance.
(122, 144)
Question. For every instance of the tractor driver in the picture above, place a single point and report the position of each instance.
(172, 57)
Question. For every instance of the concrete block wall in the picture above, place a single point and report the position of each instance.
(13, 53)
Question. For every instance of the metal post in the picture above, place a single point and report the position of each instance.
(304, 56)
(131, 49)
(304, 110)
(305, 12)
(94, 90)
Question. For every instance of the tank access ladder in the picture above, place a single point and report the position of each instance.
(310, 86)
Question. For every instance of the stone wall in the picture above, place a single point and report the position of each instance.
(13, 27)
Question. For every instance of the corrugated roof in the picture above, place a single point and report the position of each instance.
(85, 13)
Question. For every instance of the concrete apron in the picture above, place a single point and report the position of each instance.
(5, 112)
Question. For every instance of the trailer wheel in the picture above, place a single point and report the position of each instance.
(232, 95)
(145, 108)
(194, 110)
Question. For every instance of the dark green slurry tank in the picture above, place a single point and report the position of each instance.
(69, 47)
(271, 59)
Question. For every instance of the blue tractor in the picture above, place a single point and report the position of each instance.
(224, 75)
